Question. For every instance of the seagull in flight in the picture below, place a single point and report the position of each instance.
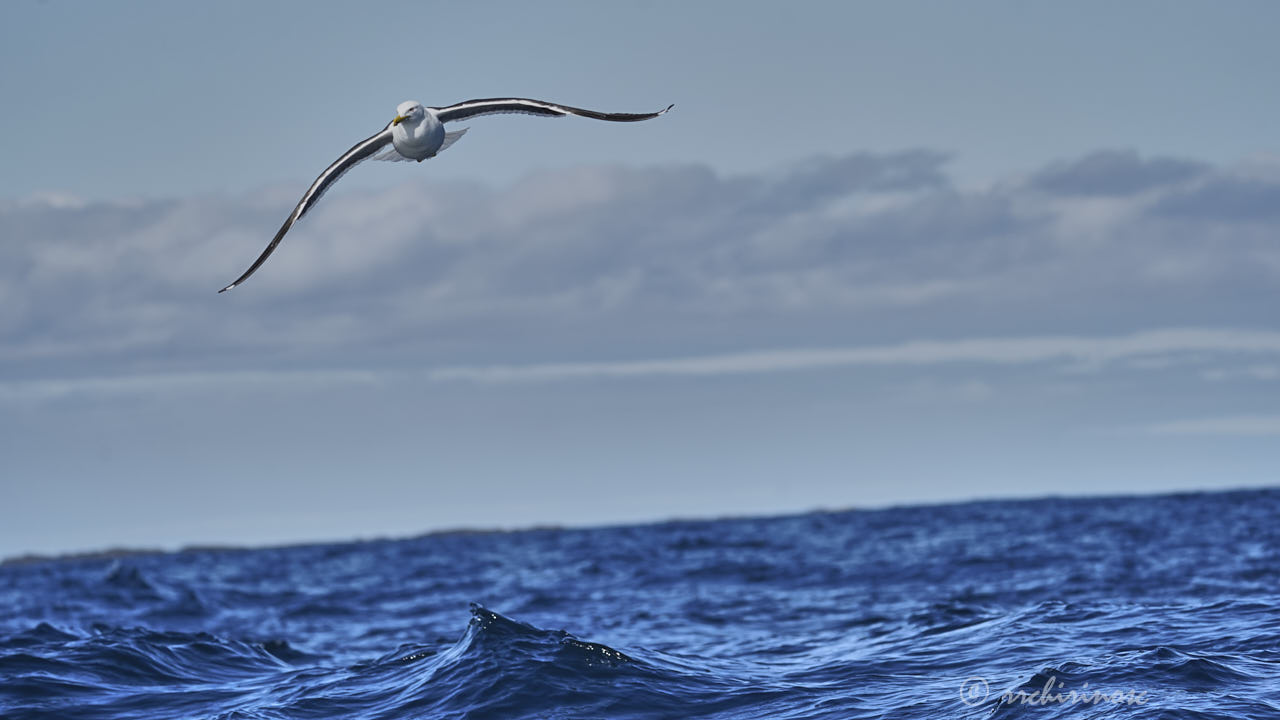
(417, 133)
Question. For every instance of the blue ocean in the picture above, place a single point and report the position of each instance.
(1140, 607)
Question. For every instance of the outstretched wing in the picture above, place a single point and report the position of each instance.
(494, 106)
(360, 151)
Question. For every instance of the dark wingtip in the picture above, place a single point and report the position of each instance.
(226, 288)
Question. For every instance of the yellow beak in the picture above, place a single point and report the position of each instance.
(398, 119)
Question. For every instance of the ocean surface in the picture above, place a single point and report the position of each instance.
(1152, 607)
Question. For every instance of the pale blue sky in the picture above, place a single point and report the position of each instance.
(878, 253)
(169, 98)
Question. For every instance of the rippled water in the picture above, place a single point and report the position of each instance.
(1165, 607)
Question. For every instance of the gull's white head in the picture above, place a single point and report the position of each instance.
(409, 111)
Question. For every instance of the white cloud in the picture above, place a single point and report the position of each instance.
(1148, 351)
(145, 384)
(1261, 371)
(1240, 425)
(1091, 351)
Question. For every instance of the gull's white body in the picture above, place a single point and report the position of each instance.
(417, 133)
(420, 135)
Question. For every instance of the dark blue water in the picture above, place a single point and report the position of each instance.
(1165, 607)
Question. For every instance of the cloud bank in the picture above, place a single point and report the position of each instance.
(581, 271)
